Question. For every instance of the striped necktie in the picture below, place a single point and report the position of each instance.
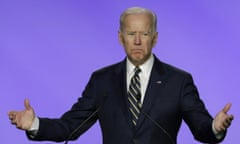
(134, 96)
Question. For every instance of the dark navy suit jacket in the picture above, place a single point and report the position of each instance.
(171, 97)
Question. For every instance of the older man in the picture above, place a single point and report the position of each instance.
(139, 100)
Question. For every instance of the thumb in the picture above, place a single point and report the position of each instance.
(227, 108)
(27, 104)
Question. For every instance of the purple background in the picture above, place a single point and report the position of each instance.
(49, 48)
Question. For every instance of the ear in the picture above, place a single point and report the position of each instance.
(120, 37)
(155, 38)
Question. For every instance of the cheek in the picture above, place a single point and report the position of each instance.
(127, 51)
(148, 46)
(127, 45)
(126, 48)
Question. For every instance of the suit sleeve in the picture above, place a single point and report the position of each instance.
(59, 129)
(195, 114)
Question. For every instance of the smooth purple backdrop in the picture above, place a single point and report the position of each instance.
(49, 48)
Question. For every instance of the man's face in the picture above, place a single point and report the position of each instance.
(137, 37)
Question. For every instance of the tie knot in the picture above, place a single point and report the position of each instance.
(137, 70)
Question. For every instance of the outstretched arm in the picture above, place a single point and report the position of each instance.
(23, 119)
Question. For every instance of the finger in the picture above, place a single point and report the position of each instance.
(13, 121)
(226, 124)
(227, 108)
(27, 104)
(12, 115)
(229, 119)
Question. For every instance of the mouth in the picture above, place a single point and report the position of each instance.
(137, 53)
(136, 50)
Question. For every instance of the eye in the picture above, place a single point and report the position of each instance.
(131, 33)
(145, 33)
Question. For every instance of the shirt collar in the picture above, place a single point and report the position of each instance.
(145, 67)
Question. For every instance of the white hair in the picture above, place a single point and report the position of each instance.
(138, 10)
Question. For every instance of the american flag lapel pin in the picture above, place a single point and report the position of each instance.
(159, 82)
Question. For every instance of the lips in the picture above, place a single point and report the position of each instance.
(136, 50)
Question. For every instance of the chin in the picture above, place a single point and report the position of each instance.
(138, 56)
(137, 61)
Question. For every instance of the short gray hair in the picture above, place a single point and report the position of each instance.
(138, 10)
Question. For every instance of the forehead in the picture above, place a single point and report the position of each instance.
(138, 21)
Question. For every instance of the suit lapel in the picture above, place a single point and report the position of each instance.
(156, 82)
(121, 91)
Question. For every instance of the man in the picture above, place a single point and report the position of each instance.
(139, 100)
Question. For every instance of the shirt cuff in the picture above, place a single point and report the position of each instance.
(34, 128)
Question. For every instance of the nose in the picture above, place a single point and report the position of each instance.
(137, 40)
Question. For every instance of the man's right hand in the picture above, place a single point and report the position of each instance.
(23, 119)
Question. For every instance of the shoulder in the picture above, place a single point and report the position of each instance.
(110, 70)
(168, 68)
(171, 71)
(177, 72)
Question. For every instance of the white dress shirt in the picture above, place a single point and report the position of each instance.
(144, 75)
